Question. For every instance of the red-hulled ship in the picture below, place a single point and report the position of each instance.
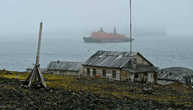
(101, 36)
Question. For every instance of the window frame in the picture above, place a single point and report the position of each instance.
(136, 76)
(88, 71)
(94, 72)
(114, 74)
(104, 73)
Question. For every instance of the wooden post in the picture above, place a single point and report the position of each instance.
(39, 43)
(36, 75)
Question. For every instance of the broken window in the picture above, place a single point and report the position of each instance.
(114, 74)
(94, 72)
(136, 76)
(88, 71)
(104, 73)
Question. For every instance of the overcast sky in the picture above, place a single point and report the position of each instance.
(23, 16)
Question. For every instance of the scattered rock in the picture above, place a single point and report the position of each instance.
(13, 96)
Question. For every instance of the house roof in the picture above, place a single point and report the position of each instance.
(64, 66)
(112, 59)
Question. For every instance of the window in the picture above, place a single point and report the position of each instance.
(124, 73)
(94, 72)
(104, 73)
(88, 71)
(136, 75)
(114, 74)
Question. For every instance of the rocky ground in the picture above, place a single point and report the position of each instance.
(14, 96)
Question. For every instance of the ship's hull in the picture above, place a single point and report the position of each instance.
(97, 40)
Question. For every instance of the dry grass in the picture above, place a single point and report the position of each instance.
(165, 94)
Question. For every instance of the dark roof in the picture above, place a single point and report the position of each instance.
(112, 59)
(64, 65)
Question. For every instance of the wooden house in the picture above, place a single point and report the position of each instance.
(64, 67)
(120, 66)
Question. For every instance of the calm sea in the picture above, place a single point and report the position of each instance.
(163, 51)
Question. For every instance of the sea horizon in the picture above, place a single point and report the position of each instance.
(164, 51)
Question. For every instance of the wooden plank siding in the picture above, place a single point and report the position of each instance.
(121, 66)
(99, 72)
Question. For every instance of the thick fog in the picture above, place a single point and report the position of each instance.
(60, 16)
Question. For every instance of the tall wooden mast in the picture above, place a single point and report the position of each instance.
(36, 75)
(130, 31)
(39, 44)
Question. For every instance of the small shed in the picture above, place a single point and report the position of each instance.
(120, 66)
(64, 67)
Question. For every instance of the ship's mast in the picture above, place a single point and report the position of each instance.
(130, 31)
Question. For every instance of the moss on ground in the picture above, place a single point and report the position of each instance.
(176, 93)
